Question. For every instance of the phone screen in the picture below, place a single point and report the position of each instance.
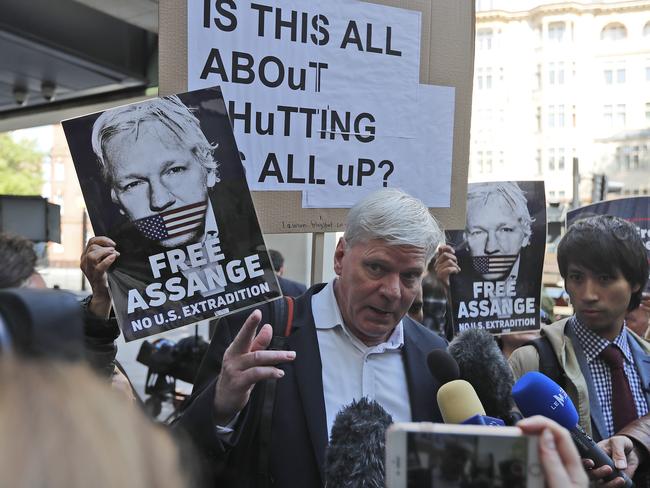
(466, 461)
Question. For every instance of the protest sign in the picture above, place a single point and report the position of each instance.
(163, 179)
(327, 98)
(634, 209)
(307, 115)
(501, 255)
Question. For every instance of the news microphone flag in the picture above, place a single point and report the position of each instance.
(494, 264)
(173, 223)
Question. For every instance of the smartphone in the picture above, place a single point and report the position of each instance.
(428, 455)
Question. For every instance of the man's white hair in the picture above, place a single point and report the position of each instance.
(513, 196)
(396, 218)
(168, 112)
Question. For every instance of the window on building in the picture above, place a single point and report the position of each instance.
(609, 76)
(484, 39)
(646, 30)
(538, 76)
(551, 73)
(551, 193)
(556, 31)
(560, 116)
(620, 115)
(647, 112)
(551, 116)
(560, 159)
(488, 161)
(551, 159)
(484, 78)
(538, 116)
(561, 193)
(614, 74)
(613, 32)
(608, 115)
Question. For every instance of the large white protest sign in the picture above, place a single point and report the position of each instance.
(422, 164)
(443, 36)
(324, 96)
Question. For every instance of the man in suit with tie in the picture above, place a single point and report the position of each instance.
(604, 366)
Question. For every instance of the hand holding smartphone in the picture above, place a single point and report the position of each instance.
(427, 455)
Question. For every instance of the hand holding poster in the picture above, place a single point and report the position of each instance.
(163, 179)
(500, 254)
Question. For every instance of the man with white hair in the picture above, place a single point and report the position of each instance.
(350, 338)
(159, 166)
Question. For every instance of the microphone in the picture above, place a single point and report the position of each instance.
(459, 404)
(442, 366)
(537, 394)
(484, 366)
(356, 452)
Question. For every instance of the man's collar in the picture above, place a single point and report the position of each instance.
(593, 344)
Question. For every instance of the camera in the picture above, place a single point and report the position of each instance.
(168, 361)
(41, 324)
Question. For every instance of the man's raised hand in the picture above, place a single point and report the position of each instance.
(245, 362)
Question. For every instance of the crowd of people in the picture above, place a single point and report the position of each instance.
(261, 416)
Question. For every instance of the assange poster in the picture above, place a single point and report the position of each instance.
(634, 209)
(163, 179)
(501, 255)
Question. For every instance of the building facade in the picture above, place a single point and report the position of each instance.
(558, 81)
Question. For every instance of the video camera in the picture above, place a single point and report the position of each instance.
(169, 361)
(41, 323)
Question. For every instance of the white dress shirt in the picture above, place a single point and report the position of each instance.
(352, 370)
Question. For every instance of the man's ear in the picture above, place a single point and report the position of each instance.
(114, 197)
(526, 240)
(339, 253)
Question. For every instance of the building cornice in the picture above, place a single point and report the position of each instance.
(563, 8)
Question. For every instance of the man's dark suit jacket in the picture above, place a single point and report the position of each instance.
(291, 288)
(299, 431)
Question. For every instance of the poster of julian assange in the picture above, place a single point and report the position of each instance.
(501, 255)
(164, 180)
(635, 210)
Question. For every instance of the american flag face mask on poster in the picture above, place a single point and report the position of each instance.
(497, 264)
(173, 223)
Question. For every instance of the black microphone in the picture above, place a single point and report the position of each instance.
(537, 394)
(356, 452)
(442, 366)
(483, 365)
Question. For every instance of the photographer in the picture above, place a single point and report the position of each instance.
(99, 331)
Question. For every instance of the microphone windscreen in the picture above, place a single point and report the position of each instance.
(537, 394)
(458, 401)
(356, 452)
(443, 366)
(482, 363)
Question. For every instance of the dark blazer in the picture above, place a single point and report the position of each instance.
(299, 431)
(291, 288)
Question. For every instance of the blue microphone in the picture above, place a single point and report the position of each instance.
(537, 394)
